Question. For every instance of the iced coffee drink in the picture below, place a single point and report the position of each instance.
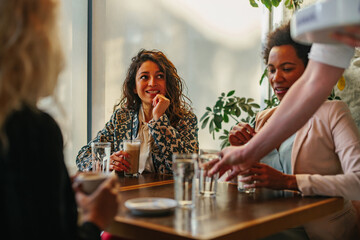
(132, 147)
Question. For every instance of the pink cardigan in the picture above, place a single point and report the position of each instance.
(326, 161)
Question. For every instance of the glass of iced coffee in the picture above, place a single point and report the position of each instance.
(132, 147)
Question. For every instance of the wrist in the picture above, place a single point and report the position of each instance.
(93, 218)
(249, 153)
(291, 183)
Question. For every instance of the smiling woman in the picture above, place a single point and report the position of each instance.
(152, 109)
(151, 88)
(284, 68)
(322, 158)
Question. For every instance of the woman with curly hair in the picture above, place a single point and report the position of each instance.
(321, 158)
(153, 109)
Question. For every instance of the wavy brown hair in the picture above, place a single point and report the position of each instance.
(30, 54)
(179, 103)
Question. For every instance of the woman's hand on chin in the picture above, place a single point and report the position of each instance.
(160, 104)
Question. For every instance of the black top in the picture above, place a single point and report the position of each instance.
(37, 200)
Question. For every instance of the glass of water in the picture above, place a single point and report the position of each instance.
(207, 185)
(184, 170)
(241, 185)
(100, 156)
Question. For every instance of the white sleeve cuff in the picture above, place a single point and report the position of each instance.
(337, 55)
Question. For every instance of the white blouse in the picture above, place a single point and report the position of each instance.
(145, 160)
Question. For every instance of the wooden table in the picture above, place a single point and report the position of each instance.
(231, 215)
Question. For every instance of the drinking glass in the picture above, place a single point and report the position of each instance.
(207, 185)
(184, 170)
(100, 156)
(186, 220)
(132, 147)
(241, 185)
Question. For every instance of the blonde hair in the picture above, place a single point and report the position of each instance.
(30, 54)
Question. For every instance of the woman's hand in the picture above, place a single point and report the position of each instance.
(231, 158)
(241, 134)
(101, 206)
(160, 104)
(118, 161)
(266, 176)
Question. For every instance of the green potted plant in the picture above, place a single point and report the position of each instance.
(228, 106)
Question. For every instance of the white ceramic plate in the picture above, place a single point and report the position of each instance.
(150, 205)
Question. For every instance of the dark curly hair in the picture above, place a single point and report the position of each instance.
(281, 36)
(179, 103)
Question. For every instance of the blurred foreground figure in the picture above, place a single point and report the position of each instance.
(37, 200)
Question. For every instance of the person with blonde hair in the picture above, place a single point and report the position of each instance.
(37, 199)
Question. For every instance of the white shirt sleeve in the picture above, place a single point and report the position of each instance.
(337, 55)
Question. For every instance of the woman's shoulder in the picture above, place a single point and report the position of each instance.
(332, 111)
(123, 113)
(32, 123)
(189, 115)
(262, 117)
(31, 116)
(266, 113)
(333, 105)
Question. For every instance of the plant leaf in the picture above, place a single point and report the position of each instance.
(217, 120)
(237, 112)
(230, 93)
(244, 108)
(241, 100)
(267, 4)
(253, 3)
(275, 3)
(263, 76)
(217, 110)
(219, 103)
(254, 105)
(225, 143)
(209, 109)
(204, 116)
(203, 125)
(230, 104)
(288, 4)
(211, 126)
(226, 118)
